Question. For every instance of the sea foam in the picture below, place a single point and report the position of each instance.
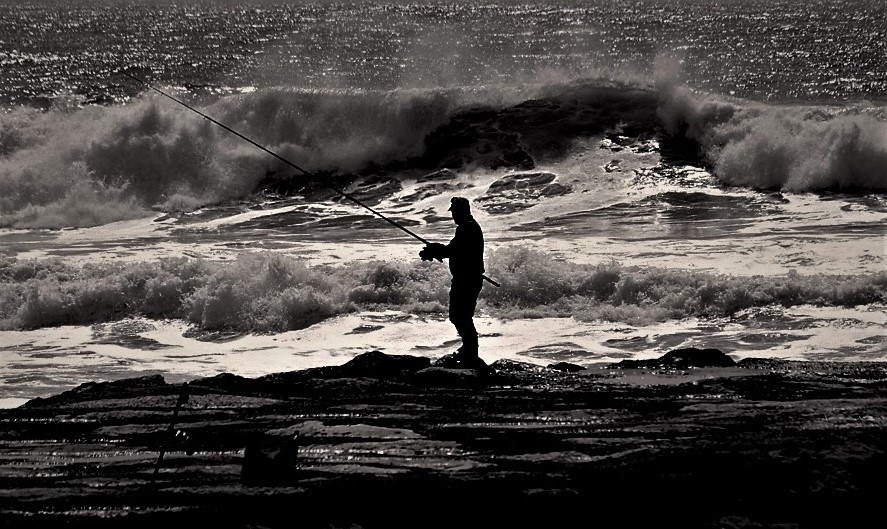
(268, 292)
(120, 161)
(78, 167)
(788, 147)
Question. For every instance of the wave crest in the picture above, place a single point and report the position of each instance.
(792, 148)
(269, 292)
(83, 167)
(120, 161)
(153, 153)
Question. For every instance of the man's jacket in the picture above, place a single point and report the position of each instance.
(466, 251)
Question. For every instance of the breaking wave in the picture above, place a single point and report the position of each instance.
(118, 162)
(267, 292)
(788, 147)
(79, 167)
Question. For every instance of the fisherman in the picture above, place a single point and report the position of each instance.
(466, 261)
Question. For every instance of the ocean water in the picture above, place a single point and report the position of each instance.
(649, 174)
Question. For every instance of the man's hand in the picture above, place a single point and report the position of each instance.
(433, 250)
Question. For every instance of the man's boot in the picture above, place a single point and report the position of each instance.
(467, 353)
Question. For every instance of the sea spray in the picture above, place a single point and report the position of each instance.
(798, 150)
(95, 165)
(122, 161)
(339, 131)
(789, 147)
(152, 155)
(267, 292)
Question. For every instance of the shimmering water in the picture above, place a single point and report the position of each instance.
(649, 174)
(809, 50)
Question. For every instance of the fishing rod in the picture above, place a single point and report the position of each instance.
(329, 186)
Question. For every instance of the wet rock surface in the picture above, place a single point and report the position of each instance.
(519, 191)
(399, 441)
(684, 358)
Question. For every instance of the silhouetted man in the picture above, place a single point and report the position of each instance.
(466, 259)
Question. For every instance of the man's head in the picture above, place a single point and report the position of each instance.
(460, 208)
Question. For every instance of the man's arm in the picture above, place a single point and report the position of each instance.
(434, 250)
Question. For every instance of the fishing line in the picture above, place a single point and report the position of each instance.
(289, 163)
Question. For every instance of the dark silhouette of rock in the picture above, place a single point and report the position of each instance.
(450, 363)
(513, 366)
(517, 191)
(803, 448)
(566, 366)
(447, 377)
(474, 136)
(225, 382)
(777, 364)
(682, 359)
(373, 189)
(374, 364)
(269, 459)
(523, 181)
(129, 387)
(694, 357)
(381, 365)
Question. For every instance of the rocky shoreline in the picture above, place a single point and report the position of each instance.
(692, 439)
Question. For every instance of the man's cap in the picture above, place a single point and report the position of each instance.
(460, 203)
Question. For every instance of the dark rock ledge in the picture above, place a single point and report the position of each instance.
(692, 439)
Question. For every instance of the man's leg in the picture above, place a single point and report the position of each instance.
(463, 301)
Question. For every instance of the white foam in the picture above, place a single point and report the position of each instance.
(72, 357)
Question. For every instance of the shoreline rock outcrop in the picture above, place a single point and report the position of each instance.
(377, 443)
